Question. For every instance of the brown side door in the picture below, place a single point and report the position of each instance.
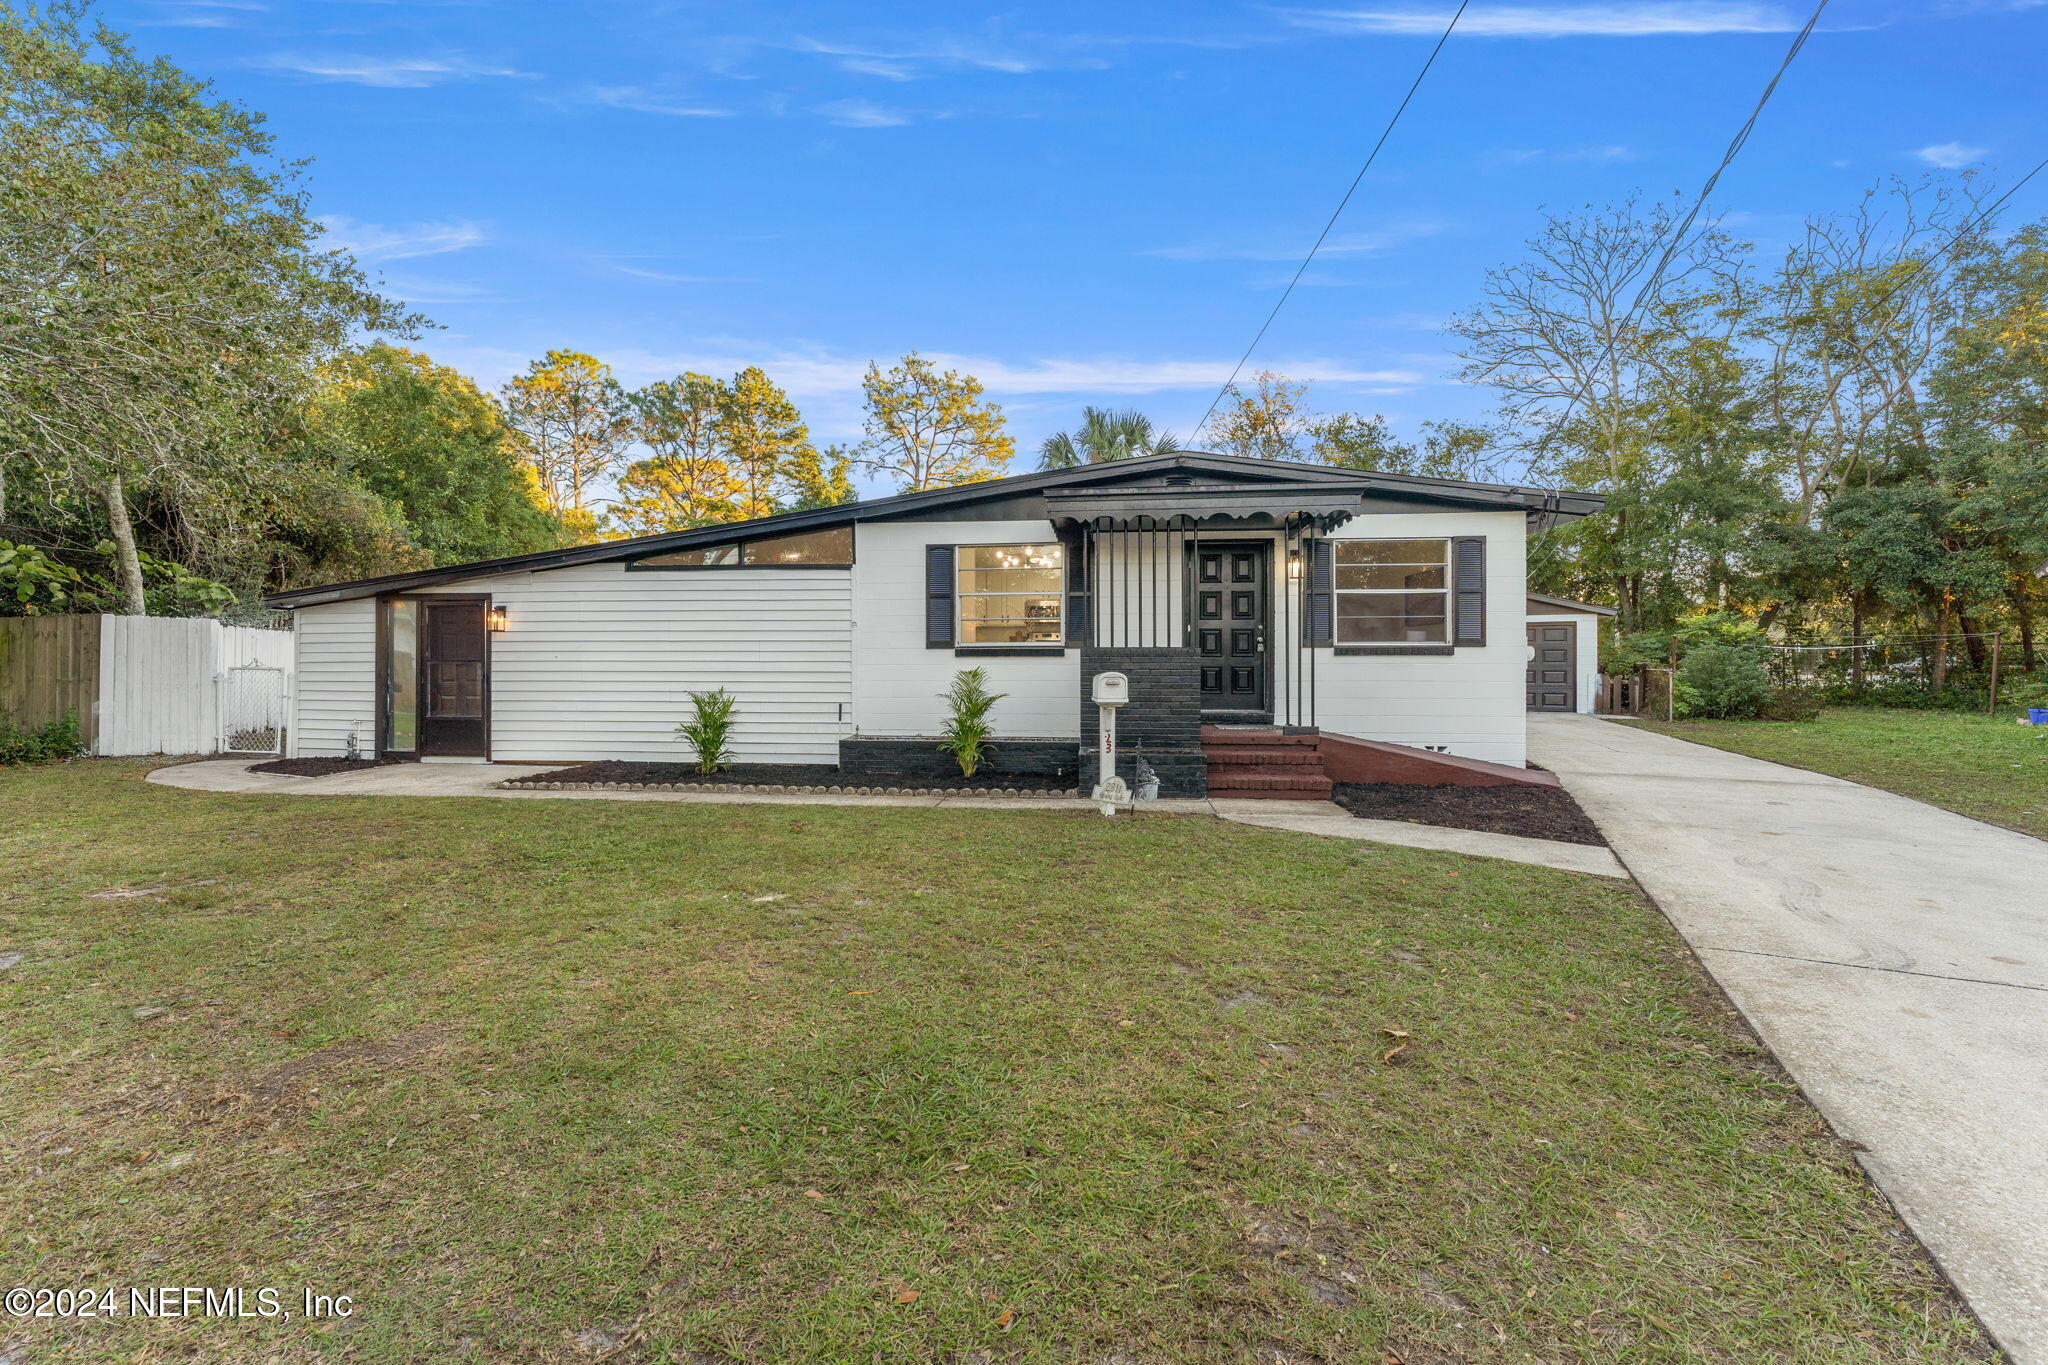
(455, 677)
(1553, 668)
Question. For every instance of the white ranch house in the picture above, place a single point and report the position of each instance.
(1287, 599)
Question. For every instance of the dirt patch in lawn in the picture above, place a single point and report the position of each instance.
(1531, 812)
(319, 767)
(819, 775)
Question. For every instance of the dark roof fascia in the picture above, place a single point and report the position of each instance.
(1567, 604)
(907, 504)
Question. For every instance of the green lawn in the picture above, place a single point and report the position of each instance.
(583, 1080)
(1983, 766)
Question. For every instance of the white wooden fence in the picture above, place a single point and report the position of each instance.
(138, 684)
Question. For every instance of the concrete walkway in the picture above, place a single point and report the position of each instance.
(482, 779)
(1893, 955)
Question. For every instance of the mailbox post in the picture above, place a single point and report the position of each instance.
(1109, 691)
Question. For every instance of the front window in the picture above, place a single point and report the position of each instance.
(1392, 592)
(1012, 594)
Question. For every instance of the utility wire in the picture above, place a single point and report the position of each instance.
(1671, 248)
(1322, 236)
(1735, 146)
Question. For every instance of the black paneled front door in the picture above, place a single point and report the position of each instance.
(455, 678)
(1230, 596)
(1553, 668)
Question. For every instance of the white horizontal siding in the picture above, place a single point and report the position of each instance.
(1471, 702)
(334, 682)
(598, 663)
(897, 679)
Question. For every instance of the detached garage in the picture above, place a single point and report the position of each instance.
(1564, 653)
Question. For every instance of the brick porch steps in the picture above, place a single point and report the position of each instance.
(1264, 763)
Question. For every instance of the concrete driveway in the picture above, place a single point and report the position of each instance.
(1893, 955)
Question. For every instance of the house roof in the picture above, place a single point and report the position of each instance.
(1319, 481)
(1566, 604)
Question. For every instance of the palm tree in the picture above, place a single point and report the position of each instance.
(1105, 435)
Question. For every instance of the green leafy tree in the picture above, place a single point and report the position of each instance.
(761, 434)
(429, 443)
(164, 294)
(820, 478)
(1270, 422)
(575, 425)
(1105, 434)
(687, 481)
(928, 428)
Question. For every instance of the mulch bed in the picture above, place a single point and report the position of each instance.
(1531, 812)
(803, 776)
(319, 767)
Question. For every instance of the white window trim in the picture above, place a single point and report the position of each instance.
(961, 593)
(1337, 593)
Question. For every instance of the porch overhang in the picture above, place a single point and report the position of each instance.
(1187, 506)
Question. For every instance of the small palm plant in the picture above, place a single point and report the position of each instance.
(1105, 434)
(709, 728)
(967, 730)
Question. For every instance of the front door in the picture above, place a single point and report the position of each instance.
(1232, 583)
(1553, 668)
(455, 679)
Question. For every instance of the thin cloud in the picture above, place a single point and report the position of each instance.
(391, 73)
(199, 13)
(1623, 20)
(669, 277)
(818, 373)
(863, 114)
(410, 290)
(398, 242)
(1587, 155)
(1339, 244)
(646, 100)
(1950, 156)
(902, 62)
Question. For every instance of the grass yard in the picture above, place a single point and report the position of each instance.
(1981, 766)
(580, 1081)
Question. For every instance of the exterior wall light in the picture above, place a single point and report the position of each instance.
(495, 619)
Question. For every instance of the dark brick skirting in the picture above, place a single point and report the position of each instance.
(1163, 719)
(922, 758)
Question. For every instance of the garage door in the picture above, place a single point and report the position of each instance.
(1553, 668)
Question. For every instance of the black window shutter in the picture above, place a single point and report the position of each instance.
(1321, 574)
(938, 597)
(1076, 550)
(1468, 581)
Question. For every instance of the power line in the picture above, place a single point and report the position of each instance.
(1322, 236)
(1735, 146)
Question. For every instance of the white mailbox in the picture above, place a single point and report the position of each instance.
(1111, 689)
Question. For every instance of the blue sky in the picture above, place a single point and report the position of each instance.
(1078, 203)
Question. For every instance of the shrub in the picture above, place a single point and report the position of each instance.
(1726, 682)
(709, 728)
(967, 730)
(2024, 694)
(58, 741)
(1794, 702)
(1904, 695)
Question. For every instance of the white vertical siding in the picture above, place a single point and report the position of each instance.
(159, 689)
(1471, 702)
(597, 662)
(897, 680)
(334, 681)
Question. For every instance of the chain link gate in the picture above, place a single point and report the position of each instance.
(252, 709)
